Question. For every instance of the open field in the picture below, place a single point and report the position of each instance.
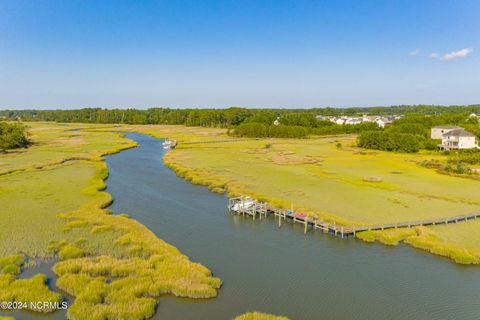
(330, 178)
(53, 206)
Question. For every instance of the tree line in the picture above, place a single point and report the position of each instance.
(408, 134)
(222, 117)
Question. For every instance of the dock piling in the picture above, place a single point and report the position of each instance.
(246, 206)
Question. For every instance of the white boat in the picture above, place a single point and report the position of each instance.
(244, 204)
(169, 144)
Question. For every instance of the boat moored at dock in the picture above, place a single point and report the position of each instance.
(169, 144)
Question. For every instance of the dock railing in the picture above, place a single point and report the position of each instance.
(247, 206)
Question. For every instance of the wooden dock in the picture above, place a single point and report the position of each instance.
(217, 141)
(248, 207)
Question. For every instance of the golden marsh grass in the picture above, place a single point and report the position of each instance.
(259, 316)
(53, 206)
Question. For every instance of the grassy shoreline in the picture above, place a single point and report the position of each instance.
(150, 267)
(105, 260)
(259, 316)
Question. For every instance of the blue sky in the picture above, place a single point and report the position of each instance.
(70, 54)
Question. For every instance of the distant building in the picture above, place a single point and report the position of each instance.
(380, 120)
(458, 139)
(351, 120)
(366, 118)
(439, 131)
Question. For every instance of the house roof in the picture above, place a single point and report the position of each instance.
(447, 127)
(458, 133)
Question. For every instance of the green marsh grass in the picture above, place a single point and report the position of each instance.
(11, 264)
(259, 316)
(390, 237)
(53, 205)
(27, 290)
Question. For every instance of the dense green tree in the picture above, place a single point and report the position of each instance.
(390, 141)
(12, 135)
(267, 117)
(299, 119)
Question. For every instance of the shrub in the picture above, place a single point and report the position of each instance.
(12, 135)
(457, 167)
(470, 156)
(390, 141)
(70, 251)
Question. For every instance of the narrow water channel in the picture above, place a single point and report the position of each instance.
(282, 271)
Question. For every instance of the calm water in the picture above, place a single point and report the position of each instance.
(282, 271)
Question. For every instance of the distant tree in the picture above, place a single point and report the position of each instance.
(299, 119)
(263, 116)
(12, 135)
(390, 141)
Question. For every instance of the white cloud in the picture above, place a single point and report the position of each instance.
(451, 55)
(457, 54)
(413, 53)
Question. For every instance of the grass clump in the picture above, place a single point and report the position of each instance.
(11, 264)
(367, 236)
(259, 316)
(105, 285)
(102, 228)
(75, 224)
(27, 290)
(428, 240)
(70, 251)
(423, 238)
(81, 241)
(391, 237)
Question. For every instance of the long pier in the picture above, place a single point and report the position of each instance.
(248, 207)
(217, 141)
